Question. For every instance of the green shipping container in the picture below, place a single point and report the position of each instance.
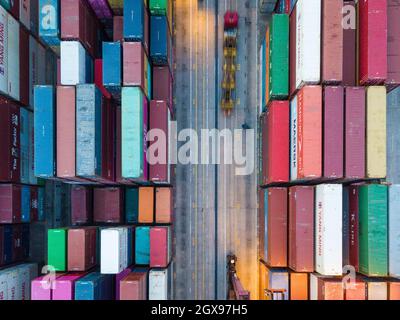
(57, 249)
(279, 57)
(132, 205)
(373, 240)
(158, 7)
(6, 4)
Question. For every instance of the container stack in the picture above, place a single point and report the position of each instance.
(80, 109)
(329, 173)
(25, 61)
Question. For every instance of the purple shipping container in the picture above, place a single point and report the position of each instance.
(333, 132)
(162, 85)
(393, 78)
(101, 8)
(355, 133)
(10, 203)
(350, 51)
(81, 205)
(118, 28)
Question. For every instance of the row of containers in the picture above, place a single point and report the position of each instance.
(84, 81)
(328, 167)
(21, 282)
(347, 235)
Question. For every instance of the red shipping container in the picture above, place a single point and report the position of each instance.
(277, 227)
(393, 78)
(373, 41)
(15, 8)
(355, 133)
(118, 28)
(98, 77)
(163, 85)
(24, 66)
(356, 291)
(350, 47)
(9, 141)
(81, 205)
(160, 247)
(353, 226)
(261, 223)
(301, 228)
(82, 248)
(34, 203)
(73, 15)
(10, 203)
(277, 167)
(330, 289)
(134, 64)
(333, 132)
(66, 138)
(159, 120)
(264, 148)
(164, 205)
(394, 290)
(134, 286)
(309, 106)
(108, 205)
(292, 50)
(332, 41)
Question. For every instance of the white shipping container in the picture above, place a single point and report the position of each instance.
(27, 272)
(13, 58)
(3, 286)
(377, 290)
(3, 50)
(308, 46)
(158, 284)
(25, 13)
(313, 287)
(328, 233)
(394, 230)
(13, 292)
(113, 252)
(33, 67)
(293, 139)
(73, 66)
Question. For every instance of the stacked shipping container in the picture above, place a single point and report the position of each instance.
(323, 183)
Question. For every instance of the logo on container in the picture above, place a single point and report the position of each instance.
(349, 280)
(48, 281)
(349, 21)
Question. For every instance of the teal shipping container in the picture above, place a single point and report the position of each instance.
(131, 205)
(142, 246)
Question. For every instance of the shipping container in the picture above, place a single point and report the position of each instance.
(393, 137)
(73, 63)
(10, 204)
(355, 124)
(4, 49)
(277, 284)
(49, 22)
(13, 58)
(159, 280)
(328, 221)
(118, 28)
(64, 287)
(377, 289)
(355, 290)
(164, 205)
(57, 249)
(376, 132)
(333, 129)
(25, 13)
(394, 231)
(393, 44)
(394, 290)
(306, 134)
(353, 237)
(114, 250)
(108, 205)
(160, 41)
(134, 286)
(160, 247)
(325, 288)
(298, 286)
(136, 23)
(301, 228)
(94, 286)
(350, 59)
(373, 45)
(142, 246)
(101, 8)
(276, 143)
(81, 205)
(82, 247)
(292, 51)
(373, 232)
(112, 67)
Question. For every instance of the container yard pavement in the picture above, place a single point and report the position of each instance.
(216, 211)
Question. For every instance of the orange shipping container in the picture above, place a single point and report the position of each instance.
(309, 115)
(164, 205)
(394, 290)
(146, 205)
(298, 286)
(357, 291)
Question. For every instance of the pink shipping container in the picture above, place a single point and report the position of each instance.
(163, 85)
(64, 287)
(160, 247)
(393, 78)
(118, 34)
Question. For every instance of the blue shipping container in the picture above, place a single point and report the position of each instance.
(24, 145)
(134, 21)
(8, 244)
(160, 40)
(112, 67)
(44, 134)
(94, 286)
(41, 211)
(394, 230)
(142, 245)
(49, 21)
(88, 131)
(25, 204)
(131, 205)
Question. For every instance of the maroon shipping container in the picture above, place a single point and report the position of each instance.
(332, 41)
(159, 119)
(9, 141)
(355, 133)
(292, 51)
(277, 227)
(73, 14)
(118, 28)
(66, 137)
(108, 139)
(34, 203)
(134, 63)
(261, 223)
(82, 248)
(81, 205)
(15, 8)
(160, 247)
(393, 78)
(333, 132)
(1, 245)
(301, 228)
(10, 203)
(24, 66)
(108, 205)
(373, 41)
(163, 85)
(134, 286)
(350, 50)
(353, 226)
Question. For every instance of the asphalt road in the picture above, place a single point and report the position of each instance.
(216, 210)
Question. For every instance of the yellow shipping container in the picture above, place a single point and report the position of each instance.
(376, 132)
